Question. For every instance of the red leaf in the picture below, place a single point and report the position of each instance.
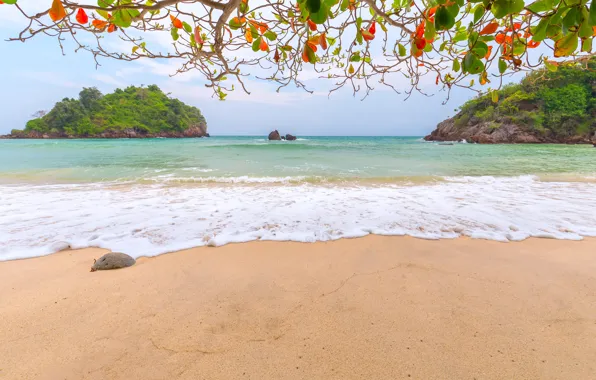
(373, 28)
(420, 30)
(312, 46)
(82, 16)
(312, 25)
(276, 56)
(516, 25)
(437, 80)
(111, 28)
(57, 11)
(490, 28)
(367, 35)
(177, 23)
(420, 43)
(500, 38)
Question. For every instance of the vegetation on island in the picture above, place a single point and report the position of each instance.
(558, 103)
(132, 112)
(360, 44)
(552, 105)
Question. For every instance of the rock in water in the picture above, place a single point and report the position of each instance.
(113, 260)
(274, 135)
(290, 137)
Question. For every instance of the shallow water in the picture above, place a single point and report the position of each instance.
(147, 197)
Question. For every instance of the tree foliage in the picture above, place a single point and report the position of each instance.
(561, 102)
(353, 42)
(145, 110)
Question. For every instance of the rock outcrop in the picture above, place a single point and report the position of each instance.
(290, 137)
(482, 132)
(274, 135)
(113, 260)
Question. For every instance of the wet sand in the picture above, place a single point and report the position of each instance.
(369, 308)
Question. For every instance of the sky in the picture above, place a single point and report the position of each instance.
(35, 75)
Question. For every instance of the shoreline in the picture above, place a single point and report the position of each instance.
(375, 307)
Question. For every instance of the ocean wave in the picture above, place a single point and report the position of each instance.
(147, 220)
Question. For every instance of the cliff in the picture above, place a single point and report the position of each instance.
(546, 107)
(134, 112)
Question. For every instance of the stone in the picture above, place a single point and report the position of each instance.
(290, 137)
(113, 260)
(274, 135)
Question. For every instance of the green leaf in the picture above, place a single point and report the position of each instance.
(134, 49)
(502, 8)
(494, 96)
(402, 50)
(456, 65)
(256, 44)
(556, 18)
(359, 23)
(566, 45)
(243, 7)
(443, 19)
(502, 66)
(480, 49)
(593, 13)
(174, 33)
(187, 27)
(539, 33)
(550, 66)
(122, 18)
(519, 47)
(321, 16)
(9, 2)
(540, 6)
(587, 45)
(472, 64)
(478, 12)
(344, 5)
(235, 23)
(585, 29)
(103, 3)
(103, 13)
(570, 18)
(429, 31)
(313, 6)
(271, 36)
(355, 57)
(359, 37)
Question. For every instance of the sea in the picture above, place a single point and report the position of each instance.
(147, 197)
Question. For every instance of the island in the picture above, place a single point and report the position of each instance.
(554, 105)
(135, 112)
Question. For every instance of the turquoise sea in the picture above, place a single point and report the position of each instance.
(152, 196)
(310, 159)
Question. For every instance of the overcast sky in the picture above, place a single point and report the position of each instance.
(35, 75)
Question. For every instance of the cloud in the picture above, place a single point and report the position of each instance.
(107, 79)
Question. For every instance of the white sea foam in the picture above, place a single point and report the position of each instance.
(147, 220)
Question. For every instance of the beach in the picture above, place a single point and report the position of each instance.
(376, 307)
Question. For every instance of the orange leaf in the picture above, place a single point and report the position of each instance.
(99, 24)
(516, 25)
(323, 41)
(177, 23)
(57, 11)
(372, 29)
(431, 12)
(248, 36)
(594, 29)
(263, 46)
(111, 28)
(500, 38)
(1, 2)
(420, 30)
(490, 50)
(82, 16)
(312, 46)
(533, 44)
(305, 55)
(437, 80)
(276, 56)
(312, 25)
(259, 25)
(367, 35)
(490, 28)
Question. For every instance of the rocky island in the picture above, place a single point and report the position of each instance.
(548, 106)
(135, 112)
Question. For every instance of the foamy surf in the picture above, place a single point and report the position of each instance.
(148, 220)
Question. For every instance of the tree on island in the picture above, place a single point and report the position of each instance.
(352, 42)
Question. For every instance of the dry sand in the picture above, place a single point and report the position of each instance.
(370, 308)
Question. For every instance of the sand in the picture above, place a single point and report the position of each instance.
(369, 308)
